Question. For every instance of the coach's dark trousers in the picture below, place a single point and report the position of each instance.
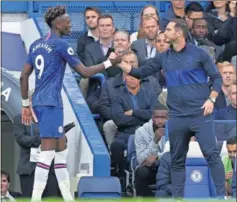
(180, 131)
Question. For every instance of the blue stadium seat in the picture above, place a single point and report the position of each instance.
(99, 187)
(199, 182)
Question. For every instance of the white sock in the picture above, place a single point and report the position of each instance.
(60, 168)
(41, 174)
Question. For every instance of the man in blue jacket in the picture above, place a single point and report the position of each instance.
(190, 102)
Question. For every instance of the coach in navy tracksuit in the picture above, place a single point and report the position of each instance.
(187, 68)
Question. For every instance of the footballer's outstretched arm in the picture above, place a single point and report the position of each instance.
(87, 72)
(24, 80)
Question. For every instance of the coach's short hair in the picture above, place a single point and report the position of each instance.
(181, 25)
(52, 13)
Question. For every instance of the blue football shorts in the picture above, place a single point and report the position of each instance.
(50, 120)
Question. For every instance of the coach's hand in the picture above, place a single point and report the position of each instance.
(26, 116)
(208, 107)
(125, 67)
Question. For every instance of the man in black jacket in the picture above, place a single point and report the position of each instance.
(91, 16)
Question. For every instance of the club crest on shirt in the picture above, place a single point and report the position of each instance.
(60, 129)
(70, 51)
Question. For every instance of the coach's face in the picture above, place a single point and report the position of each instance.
(170, 33)
(64, 25)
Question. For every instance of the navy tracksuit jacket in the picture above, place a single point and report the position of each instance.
(187, 73)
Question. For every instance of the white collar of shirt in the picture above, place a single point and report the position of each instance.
(150, 50)
(9, 196)
(105, 48)
(91, 35)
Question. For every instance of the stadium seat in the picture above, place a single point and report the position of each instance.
(99, 187)
(199, 182)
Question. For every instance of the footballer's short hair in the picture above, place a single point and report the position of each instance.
(52, 13)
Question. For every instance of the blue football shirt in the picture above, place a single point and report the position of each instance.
(49, 56)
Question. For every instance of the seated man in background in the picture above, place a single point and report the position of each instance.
(200, 33)
(6, 194)
(149, 143)
(228, 74)
(145, 47)
(132, 106)
(229, 162)
(228, 113)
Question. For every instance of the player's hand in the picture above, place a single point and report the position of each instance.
(128, 113)
(159, 133)
(208, 107)
(229, 175)
(125, 67)
(26, 116)
(114, 59)
(112, 55)
(149, 160)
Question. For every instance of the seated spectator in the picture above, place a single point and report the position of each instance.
(6, 194)
(228, 74)
(149, 143)
(161, 46)
(28, 138)
(200, 34)
(177, 10)
(193, 11)
(229, 162)
(96, 53)
(217, 14)
(148, 10)
(145, 48)
(163, 177)
(121, 43)
(222, 24)
(228, 113)
(91, 15)
(132, 106)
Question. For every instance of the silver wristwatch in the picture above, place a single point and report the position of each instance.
(212, 99)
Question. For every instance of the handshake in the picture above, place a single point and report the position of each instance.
(115, 59)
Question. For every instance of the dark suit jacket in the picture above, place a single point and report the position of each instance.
(82, 42)
(26, 141)
(139, 47)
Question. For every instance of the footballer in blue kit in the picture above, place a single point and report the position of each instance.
(48, 56)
